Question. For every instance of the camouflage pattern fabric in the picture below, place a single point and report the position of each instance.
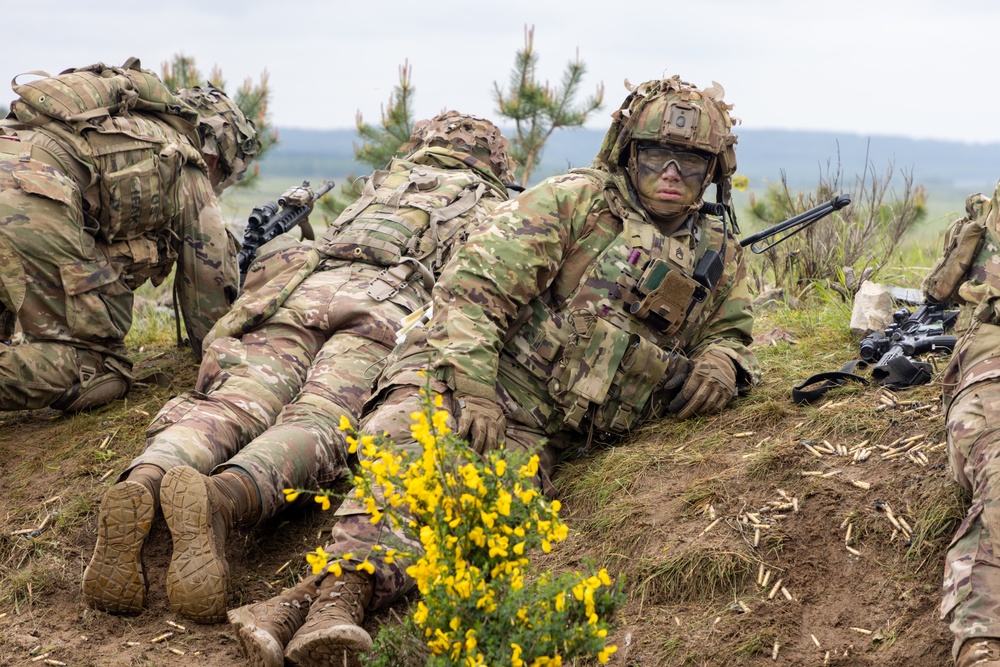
(971, 389)
(301, 347)
(559, 249)
(72, 292)
(972, 563)
(978, 328)
(270, 402)
(535, 312)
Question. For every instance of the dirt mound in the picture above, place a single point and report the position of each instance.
(696, 515)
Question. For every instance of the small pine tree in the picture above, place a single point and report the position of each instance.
(380, 143)
(539, 109)
(182, 72)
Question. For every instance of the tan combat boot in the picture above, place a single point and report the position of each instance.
(332, 634)
(266, 627)
(102, 380)
(200, 511)
(114, 580)
(979, 652)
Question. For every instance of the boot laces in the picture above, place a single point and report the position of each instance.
(981, 652)
(284, 615)
(344, 600)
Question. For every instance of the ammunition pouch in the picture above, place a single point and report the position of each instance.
(962, 242)
(666, 294)
(404, 212)
(589, 366)
(607, 368)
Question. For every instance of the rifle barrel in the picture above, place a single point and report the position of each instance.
(795, 224)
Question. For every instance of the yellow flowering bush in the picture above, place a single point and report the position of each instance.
(477, 519)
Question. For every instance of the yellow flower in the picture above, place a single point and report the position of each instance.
(420, 615)
(365, 566)
(324, 502)
(501, 469)
(515, 658)
(317, 560)
(602, 657)
(335, 569)
(290, 494)
(345, 423)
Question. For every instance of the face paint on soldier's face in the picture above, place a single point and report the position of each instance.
(668, 185)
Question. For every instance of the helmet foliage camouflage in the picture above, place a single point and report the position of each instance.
(225, 132)
(468, 134)
(673, 113)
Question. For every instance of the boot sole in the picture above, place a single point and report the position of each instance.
(259, 646)
(197, 577)
(114, 580)
(338, 645)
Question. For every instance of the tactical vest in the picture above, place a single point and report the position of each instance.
(606, 349)
(135, 159)
(410, 214)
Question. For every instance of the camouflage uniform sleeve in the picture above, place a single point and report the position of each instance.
(207, 272)
(729, 327)
(509, 260)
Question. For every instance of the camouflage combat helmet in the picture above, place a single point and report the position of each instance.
(226, 133)
(472, 135)
(677, 114)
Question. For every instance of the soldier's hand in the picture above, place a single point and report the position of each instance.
(709, 387)
(481, 422)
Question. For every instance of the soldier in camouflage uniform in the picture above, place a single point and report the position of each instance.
(590, 304)
(301, 347)
(108, 179)
(968, 274)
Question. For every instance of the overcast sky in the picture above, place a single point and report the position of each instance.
(914, 68)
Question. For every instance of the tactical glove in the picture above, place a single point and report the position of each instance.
(481, 422)
(709, 387)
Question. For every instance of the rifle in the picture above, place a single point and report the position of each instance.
(272, 219)
(795, 224)
(909, 335)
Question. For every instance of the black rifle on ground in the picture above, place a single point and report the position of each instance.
(275, 218)
(908, 336)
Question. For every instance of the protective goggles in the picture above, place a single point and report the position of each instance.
(658, 158)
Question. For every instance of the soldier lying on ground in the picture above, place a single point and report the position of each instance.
(300, 348)
(108, 179)
(969, 274)
(592, 303)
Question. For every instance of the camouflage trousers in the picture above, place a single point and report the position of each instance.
(270, 402)
(70, 301)
(972, 563)
(354, 532)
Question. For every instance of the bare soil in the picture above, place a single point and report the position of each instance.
(644, 509)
